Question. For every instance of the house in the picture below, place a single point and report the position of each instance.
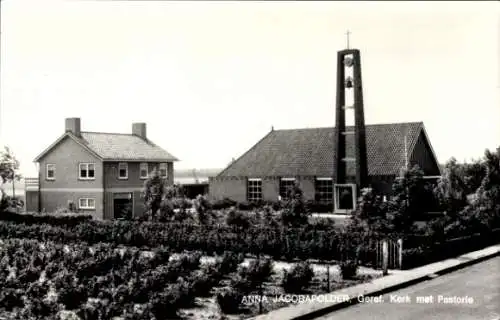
(284, 157)
(98, 173)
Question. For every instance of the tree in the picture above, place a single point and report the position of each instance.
(9, 166)
(473, 174)
(411, 197)
(295, 212)
(371, 214)
(409, 200)
(488, 194)
(451, 190)
(153, 193)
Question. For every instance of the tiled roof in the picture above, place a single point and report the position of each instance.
(309, 152)
(115, 146)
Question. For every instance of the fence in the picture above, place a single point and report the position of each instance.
(393, 249)
(31, 184)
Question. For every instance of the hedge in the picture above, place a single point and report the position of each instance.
(428, 252)
(280, 243)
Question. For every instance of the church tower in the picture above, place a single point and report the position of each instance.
(349, 83)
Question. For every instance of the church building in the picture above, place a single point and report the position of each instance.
(282, 157)
(330, 165)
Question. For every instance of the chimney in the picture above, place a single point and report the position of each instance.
(139, 129)
(73, 126)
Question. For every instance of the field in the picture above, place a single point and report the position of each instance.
(45, 279)
(54, 267)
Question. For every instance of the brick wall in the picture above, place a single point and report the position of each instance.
(235, 188)
(270, 189)
(52, 200)
(308, 187)
(67, 156)
(67, 186)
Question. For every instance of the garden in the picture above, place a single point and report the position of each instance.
(198, 259)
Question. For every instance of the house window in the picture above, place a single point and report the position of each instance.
(254, 190)
(86, 203)
(51, 172)
(143, 168)
(324, 190)
(87, 171)
(163, 169)
(123, 170)
(285, 185)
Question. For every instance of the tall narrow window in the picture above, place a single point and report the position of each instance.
(324, 190)
(254, 190)
(87, 171)
(163, 169)
(144, 170)
(51, 172)
(286, 184)
(123, 170)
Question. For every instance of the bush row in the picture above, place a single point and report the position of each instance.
(311, 205)
(279, 243)
(429, 252)
(59, 220)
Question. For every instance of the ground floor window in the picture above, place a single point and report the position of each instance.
(324, 190)
(286, 185)
(86, 203)
(254, 190)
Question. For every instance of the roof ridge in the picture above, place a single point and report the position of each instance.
(116, 133)
(366, 125)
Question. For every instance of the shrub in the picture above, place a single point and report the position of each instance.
(166, 304)
(319, 207)
(201, 283)
(257, 272)
(161, 256)
(242, 284)
(57, 220)
(298, 278)
(348, 269)
(237, 219)
(225, 203)
(229, 300)
(295, 212)
(229, 262)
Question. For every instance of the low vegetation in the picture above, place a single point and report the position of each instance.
(153, 267)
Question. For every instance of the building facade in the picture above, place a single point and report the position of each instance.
(97, 173)
(305, 156)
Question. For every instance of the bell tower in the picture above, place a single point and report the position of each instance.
(349, 83)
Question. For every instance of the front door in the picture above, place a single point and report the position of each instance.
(122, 206)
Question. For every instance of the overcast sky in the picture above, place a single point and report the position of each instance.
(210, 79)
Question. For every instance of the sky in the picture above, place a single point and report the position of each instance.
(211, 78)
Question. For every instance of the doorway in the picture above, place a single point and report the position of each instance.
(123, 206)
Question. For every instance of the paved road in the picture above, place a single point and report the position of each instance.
(481, 282)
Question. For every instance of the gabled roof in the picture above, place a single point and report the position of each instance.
(309, 152)
(115, 147)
